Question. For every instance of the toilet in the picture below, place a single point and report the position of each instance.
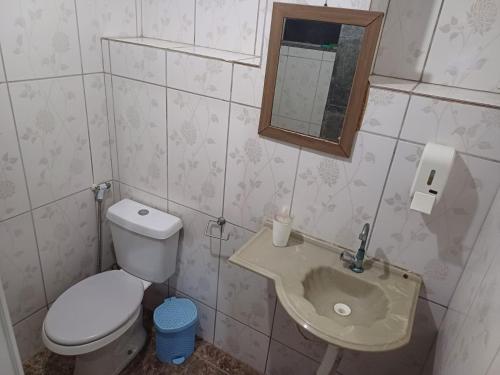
(99, 319)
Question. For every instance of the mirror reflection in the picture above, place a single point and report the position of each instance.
(317, 62)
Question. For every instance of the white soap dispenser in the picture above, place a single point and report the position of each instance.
(432, 175)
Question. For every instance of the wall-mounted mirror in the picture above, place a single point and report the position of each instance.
(316, 83)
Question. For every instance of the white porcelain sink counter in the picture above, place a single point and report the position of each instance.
(310, 279)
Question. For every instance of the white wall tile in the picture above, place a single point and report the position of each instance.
(228, 25)
(67, 238)
(52, 126)
(98, 126)
(285, 361)
(437, 245)
(260, 172)
(469, 340)
(98, 18)
(197, 138)
(2, 74)
(385, 111)
(199, 75)
(335, 196)
(468, 128)
(13, 191)
(197, 258)
(106, 58)
(140, 111)
(28, 337)
(138, 62)
(286, 331)
(169, 19)
(248, 85)
(110, 107)
(407, 360)
(465, 48)
(244, 295)
(39, 38)
(252, 350)
(406, 38)
(20, 268)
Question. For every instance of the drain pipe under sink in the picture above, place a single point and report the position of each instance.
(99, 192)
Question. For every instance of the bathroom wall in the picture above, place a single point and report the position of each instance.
(183, 137)
(54, 144)
(217, 165)
(469, 339)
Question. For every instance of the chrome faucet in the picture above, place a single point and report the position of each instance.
(356, 261)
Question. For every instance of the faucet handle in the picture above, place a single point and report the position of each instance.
(346, 256)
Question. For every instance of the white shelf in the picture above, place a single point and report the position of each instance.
(211, 53)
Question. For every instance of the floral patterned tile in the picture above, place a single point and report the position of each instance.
(334, 196)
(110, 108)
(52, 126)
(197, 257)
(385, 111)
(465, 48)
(244, 295)
(437, 245)
(286, 331)
(28, 337)
(227, 25)
(140, 111)
(20, 267)
(468, 128)
(67, 238)
(197, 137)
(13, 191)
(252, 350)
(285, 361)
(260, 172)
(98, 18)
(138, 62)
(409, 359)
(170, 20)
(39, 39)
(97, 118)
(406, 38)
(199, 75)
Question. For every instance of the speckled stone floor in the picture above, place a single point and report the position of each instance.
(206, 360)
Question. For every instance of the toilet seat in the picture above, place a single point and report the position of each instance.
(93, 309)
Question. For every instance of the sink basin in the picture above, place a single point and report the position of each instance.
(349, 301)
(369, 311)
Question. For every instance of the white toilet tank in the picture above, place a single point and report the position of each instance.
(145, 240)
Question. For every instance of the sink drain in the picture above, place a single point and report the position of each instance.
(342, 309)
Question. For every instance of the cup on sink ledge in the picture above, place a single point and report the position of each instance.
(282, 226)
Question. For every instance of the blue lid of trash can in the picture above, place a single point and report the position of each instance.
(175, 314)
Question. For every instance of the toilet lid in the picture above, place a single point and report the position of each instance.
(93, 308)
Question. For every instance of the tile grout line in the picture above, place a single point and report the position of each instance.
(194, 22)
(167, 148)
(421, 76)
(113, 102)
(28, 193)
(84, 92)
(271, 335)
(30, 315)
(256, 27)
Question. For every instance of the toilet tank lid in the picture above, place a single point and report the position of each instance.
(144, 220)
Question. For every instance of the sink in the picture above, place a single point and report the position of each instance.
(370, 311)
(349, 301)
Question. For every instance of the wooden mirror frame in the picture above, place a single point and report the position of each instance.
(372, 22)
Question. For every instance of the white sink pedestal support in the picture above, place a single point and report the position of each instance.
(330, 361)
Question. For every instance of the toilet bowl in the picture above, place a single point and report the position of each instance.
(99, 319)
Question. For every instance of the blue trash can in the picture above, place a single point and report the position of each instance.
(175, 323)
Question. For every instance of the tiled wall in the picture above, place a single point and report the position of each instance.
(184, 137)
(54, 144)
(469, 339)
(218, 165)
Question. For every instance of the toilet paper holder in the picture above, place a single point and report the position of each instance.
(220, 222)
